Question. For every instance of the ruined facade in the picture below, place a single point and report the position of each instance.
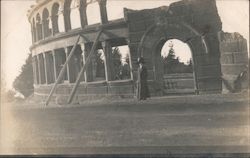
(143, 32)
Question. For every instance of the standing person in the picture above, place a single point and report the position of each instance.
(142, 85)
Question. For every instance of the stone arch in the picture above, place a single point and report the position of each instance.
(39, 27)
(207, 75)
(45, 22)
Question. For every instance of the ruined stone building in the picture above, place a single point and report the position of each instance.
(215, 54)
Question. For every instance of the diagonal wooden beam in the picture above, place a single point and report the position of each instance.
(62, 71)
(72, 94)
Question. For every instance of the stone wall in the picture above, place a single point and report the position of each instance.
(234, 59)
(195, 22)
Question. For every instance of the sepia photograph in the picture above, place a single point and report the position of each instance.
(125, 78)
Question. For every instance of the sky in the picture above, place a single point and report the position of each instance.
(16, 30)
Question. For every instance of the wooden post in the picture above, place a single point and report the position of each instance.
(72, 94)
(62, 71)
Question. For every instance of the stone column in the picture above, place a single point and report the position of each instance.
(43, 29)
(84, 60)
(130, 67)
(89, 70)
(46, 68)
(39, 69)
(70, 66)
(130, 62)
(83, 13)
(103, 11)
(54, 64)
(108, 61)
(34, 70)
(67, 23)
(32, 33)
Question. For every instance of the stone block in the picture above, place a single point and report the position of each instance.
(206, 59)
(82, 89)
(233, 46)
(208, 71)
(136, 37)
(121, 90)
(227, 58)
(240, 57)
(63, 89)
(137, 26)
(209, 84)
(232, 69)
(97, 89)
(133, 48)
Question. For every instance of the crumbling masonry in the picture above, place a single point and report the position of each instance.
(215, 54)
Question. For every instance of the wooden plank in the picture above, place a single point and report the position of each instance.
(62, 71)
(72, 93)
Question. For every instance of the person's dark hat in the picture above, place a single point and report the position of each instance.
(140, 60)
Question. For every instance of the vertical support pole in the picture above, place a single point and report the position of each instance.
(72, 93)
(62, 71)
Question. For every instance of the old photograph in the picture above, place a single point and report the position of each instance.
(132, 78)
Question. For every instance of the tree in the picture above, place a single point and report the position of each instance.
(100, 71)
(23, 83)
(116, 57)
(170, 62)
(173, 64)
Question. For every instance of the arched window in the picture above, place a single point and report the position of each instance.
(38, 27)
(55, 11)
(61, 21)
(93, 12)
(75, 14)
(46, 25)
(57, 19)
(117, 9)
(34, 30)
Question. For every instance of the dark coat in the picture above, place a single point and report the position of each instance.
(142, 85)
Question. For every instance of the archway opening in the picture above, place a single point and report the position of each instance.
(39, 27)
(46, 23)
(75, 14)
(177, 62)
(93, 13)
